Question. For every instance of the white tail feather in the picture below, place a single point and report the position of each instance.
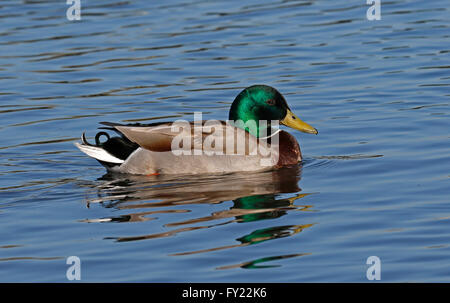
(98, 153)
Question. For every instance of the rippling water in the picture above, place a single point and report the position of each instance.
(374, 182)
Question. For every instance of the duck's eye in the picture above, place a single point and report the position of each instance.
(293, 117)
(271, 102)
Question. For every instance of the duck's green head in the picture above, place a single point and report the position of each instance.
(264, 103)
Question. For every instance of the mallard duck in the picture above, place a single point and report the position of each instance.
(248, 141)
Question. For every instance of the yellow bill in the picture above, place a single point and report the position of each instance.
(292, 121)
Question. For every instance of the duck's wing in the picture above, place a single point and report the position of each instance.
(209, 136)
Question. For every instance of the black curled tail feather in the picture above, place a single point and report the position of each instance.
(84, 140)
(98, 135)
(119, 147)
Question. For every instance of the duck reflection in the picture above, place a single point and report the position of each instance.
(254, 264)
(255, 197)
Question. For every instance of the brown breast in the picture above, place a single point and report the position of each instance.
(290, 153)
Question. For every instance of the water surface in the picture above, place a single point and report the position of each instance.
(374, 182)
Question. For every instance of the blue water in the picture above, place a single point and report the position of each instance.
(374, 182)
